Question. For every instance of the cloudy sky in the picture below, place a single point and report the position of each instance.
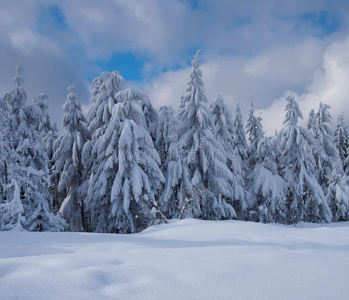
(256, 51)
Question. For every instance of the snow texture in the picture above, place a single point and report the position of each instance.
(187, 259)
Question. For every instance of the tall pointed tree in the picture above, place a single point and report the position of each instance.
(240, 143)
(267, 187)
(166, 132)
(338, 196)
(325, 152)
(68, 164)
(311, 121)
(30, 172)
(205, 155)
(305, 197)
(255, 133)
(177, 184)
(224, 133)
(104, 97)
(137, 182)
(41, 118)
(133, 105)
(341, 141)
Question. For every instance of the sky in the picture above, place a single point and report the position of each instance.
(252, 51)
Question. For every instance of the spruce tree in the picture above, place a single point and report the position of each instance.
(166, 132)
(137, 182)
(325, 152)
(338, 196)
(30, 170)
(177, 183)
(267, 187)
(341, 141)
(42, 120)
(204, 155)
(224, 133)
(133, 105)
(255, 132)
(68, 165)
(104, 97)
(239, 142)
(305, 198)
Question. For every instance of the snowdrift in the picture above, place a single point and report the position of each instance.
(187, 259)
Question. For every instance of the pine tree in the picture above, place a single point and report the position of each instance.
(240, 143)
(166, 132)
(204, 155)
(132, 105)
(137, 181)
(305, 198)
(6, 149)
(255, 131)
(178, 188)
(13, 212)
(30, 168)
(338, 196)
(68, 164)
(341, 141)
(311, 121)
(43, 124)
(267, 186)
(325, 152)
(177, 183)
(104, 97)
(224, 133)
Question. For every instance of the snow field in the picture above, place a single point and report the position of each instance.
(187, 259)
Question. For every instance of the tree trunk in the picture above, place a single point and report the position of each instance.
(6, 173)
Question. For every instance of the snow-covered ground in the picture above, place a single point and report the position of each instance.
(186, 259)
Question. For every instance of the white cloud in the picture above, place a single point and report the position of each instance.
(329, 85)
(27, 43)
(47, 67)
(252, 50)
(261, 78)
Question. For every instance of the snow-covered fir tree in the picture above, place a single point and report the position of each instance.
(6, 158)
(105, 89)
(140, 109)
(341, 141)
(177, 188)
(204, 155)
(311, 120)
(325, 152)
(13, 212)
(39, 118)
(133, 105)
(29, 170)
(104, 96)
(240, 143)
(224, 133)
(176, 198)
(166, 132)
(305, 198)
(42, 120)
(338, 196)
(68, 165)
(267, 187)
(137, 182)
(255, 133)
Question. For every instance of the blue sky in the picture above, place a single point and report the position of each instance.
(251, 50)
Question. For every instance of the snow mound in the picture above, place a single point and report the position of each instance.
(187, 259)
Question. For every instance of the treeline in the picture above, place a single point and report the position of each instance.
(125, 167)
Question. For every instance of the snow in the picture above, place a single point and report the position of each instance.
(187, 259)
